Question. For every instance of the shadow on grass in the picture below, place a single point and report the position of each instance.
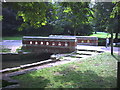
(32, 82)
(87, 79)
(117, 57)
(68, 78)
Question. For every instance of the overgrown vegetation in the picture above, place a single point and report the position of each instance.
(95, 72)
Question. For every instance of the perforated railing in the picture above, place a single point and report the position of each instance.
(81, 40)
(48, 44)
(87, 40)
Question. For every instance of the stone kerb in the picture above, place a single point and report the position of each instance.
(49, 44)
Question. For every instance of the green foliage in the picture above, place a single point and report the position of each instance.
(115, 10)
(57, 30)
(32, 13)
(71, 20)
(1, 17)
(106, 17)
(59, 15)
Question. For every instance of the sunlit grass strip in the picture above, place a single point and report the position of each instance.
(12, 38)
(104, 35)
(94, 72)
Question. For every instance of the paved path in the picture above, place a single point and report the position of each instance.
(11, 44)
(99, 48)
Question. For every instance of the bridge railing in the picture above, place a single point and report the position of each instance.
(49, 44)
(81, 40)
(87, 40)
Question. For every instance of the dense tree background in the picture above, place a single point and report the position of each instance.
(103, 20)
(46, 18)
(67, 18)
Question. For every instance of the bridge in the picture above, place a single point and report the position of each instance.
(56, 43)
(49, 44)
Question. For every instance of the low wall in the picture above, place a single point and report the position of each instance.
(81, 40)
(49, 44)
(10, 60)
(87, 40)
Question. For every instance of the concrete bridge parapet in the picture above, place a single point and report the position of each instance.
(87, 40)
(81, 40)
(49, 44)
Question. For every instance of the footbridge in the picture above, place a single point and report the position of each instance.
(56, 43)
(49, 44)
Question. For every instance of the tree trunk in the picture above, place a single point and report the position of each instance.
(111, 42)
(75, 32)
(116, 35)
(95, 32)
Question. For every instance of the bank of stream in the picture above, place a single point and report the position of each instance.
(15, 60)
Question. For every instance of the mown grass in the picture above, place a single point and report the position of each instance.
(103, 35)
(99, 35)
(94, 72)
(12, 38)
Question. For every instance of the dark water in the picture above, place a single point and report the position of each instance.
(9, 61)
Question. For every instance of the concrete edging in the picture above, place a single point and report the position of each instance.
(26, 66)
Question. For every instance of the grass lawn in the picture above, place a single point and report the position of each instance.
(99, 35)
(95, 72)
(103, 35)
(12, 38)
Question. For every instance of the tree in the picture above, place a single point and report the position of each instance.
(32, 13)
(9, 22)
(81, 13)
(73, 17)
(39, 14)
(107, 19)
